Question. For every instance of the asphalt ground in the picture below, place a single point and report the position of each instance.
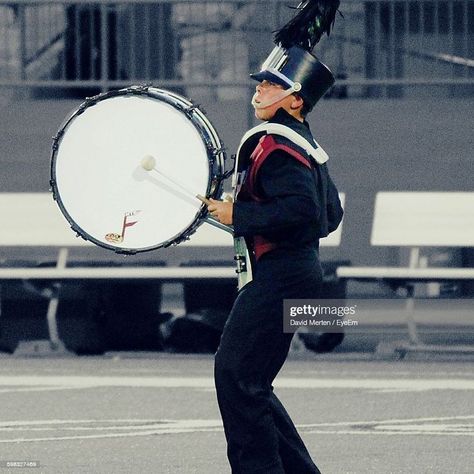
(157, 413)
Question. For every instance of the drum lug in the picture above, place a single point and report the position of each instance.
(52, 188)
(56, 139)
(189, 111)
(125, 251)
(89, 102)
(218, 151)
(140, 88)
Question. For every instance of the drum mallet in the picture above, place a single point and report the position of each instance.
(149, 163)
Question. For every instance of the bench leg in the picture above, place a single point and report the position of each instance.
(54, 301)
(410, 302)
(51, 317)
(53, 345)
(410, 311)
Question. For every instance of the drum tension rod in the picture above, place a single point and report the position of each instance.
(190, 110)
(140, 88)
(218, 151)
(52, 188)
(56, 139)
(90, 101)
(93, 100)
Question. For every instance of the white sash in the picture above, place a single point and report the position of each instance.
(317, 153)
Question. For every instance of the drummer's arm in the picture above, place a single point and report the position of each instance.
(291, 198)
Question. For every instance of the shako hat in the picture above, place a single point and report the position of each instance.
(292, 63)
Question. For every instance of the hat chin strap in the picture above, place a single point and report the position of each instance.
(277, 98)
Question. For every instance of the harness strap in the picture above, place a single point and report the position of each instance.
(266, 145)
(313, 148)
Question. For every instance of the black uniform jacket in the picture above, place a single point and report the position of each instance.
(298, 204)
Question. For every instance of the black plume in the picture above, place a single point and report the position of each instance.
(314, 18)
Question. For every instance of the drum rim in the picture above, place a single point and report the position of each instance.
(214, 147)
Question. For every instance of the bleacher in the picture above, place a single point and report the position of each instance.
(416, 220)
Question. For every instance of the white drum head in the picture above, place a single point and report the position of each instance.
(102, 187)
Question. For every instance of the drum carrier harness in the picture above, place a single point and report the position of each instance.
(248, 164)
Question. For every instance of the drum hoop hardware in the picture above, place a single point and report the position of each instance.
(227, 174)
(218, 151)
(189, 110)
(91, 101)
(139, 88)
(56, 138)
(52, 189)
(192, 112)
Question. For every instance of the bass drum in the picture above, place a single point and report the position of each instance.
(127, 165)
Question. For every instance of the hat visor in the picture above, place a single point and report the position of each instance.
(268, 76)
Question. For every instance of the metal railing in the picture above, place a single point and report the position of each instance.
(380, 47)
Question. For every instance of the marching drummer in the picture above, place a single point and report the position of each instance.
(285, 201)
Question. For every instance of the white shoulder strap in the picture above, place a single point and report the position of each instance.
(317, 153)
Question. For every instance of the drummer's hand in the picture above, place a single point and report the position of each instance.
(221, 210)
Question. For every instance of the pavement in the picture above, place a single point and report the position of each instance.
(157, 412)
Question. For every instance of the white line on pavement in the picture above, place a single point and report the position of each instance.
(122, 428)
(79, 381)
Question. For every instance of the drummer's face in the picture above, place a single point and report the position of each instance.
(267, 91)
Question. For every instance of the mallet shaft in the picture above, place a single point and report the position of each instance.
(148, 163)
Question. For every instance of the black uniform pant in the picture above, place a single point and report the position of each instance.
(261, 438)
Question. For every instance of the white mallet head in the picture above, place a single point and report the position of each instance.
(148, 162)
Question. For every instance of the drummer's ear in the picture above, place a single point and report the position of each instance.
(297, 102)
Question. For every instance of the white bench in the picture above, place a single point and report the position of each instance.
(419, 219)
(34, 220)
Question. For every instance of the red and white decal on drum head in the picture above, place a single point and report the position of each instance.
(129, 220)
